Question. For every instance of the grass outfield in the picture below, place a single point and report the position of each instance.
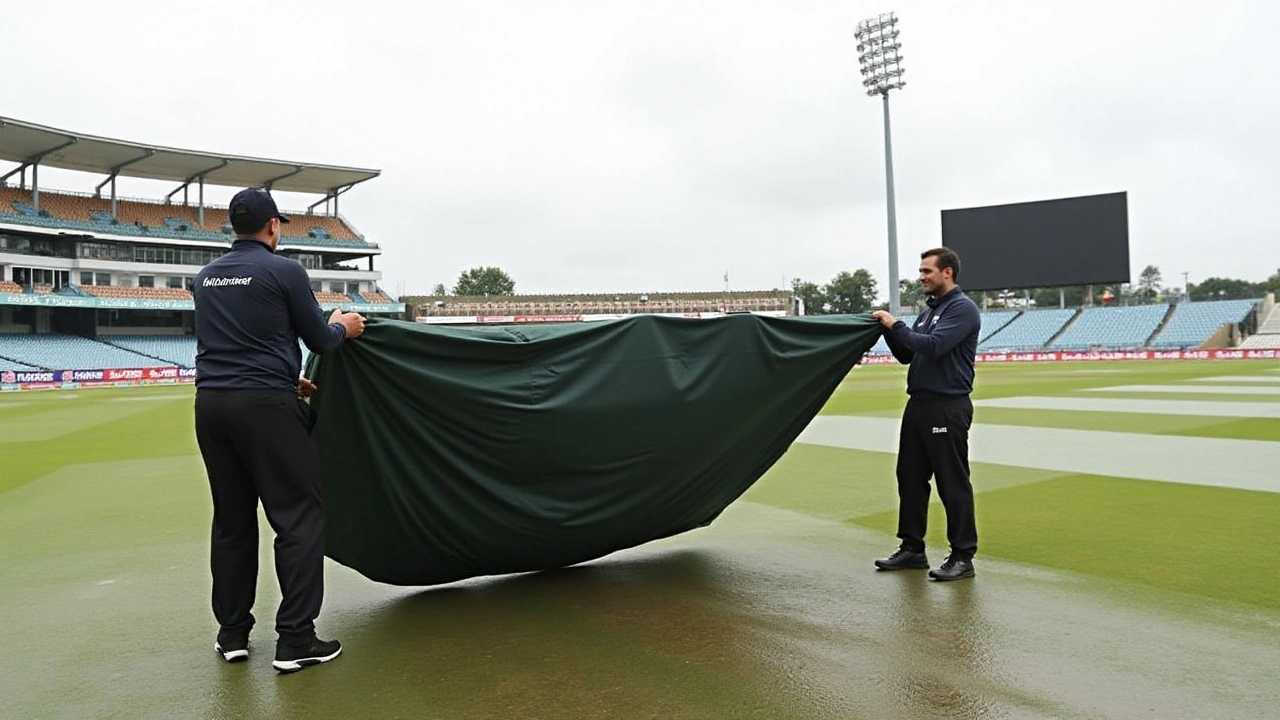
(1170, 592)
(1160, 534)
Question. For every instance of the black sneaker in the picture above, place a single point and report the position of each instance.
(233, 647)
(903, 559)
(293, 658)
(954, 567)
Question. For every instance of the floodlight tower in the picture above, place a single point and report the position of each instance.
(882, 71)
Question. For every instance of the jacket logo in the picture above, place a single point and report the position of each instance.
(939, 430)
(224, 281)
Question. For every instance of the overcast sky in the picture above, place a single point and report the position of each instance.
(654, 145)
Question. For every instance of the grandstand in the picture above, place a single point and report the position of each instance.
(53, 351)
(1111, 328)
(452, 309)
(1268, 335)
(94, 280)
(1195, 322)
(1183, 326)
(1030, 330)
(179, 350)
(74, 211)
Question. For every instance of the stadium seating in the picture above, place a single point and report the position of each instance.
(11, 365)
(10, 287)
(173, 349)
(632, 303)
(1193, 323)
(111, 291)
(69, 352)
(375, 297)
(1113, 328)
(994, 320)
(138, 217)
(1268, 335)
(1028, 331)
(880, 348)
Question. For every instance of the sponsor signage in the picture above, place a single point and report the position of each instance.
(1223, 354)
(47, 299)
(72, 379)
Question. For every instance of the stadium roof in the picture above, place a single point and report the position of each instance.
(24, 142)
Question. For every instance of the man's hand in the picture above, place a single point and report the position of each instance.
(887, 320)
(352, 323)
(306, 388)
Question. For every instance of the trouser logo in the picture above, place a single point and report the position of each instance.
(939, 430)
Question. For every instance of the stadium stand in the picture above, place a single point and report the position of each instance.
(994, 320)
(111, 291)
(69, 352)
(630, 303)
(173, 349)
(10, 287)
(1268, 335)
(1028, 331)
(332, 297)
(142, 218)
(1193, 323)
(375, 297)
(7, 364)
(1113, 328)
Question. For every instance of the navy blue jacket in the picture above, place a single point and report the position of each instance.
(252, 306)
(940, 347)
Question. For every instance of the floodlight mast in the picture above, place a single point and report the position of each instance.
(881, 66)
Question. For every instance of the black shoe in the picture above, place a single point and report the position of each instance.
(903, 559)
(293, 658)
(233, 646)
(953, 568)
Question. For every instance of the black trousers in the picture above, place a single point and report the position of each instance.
(257, 445)
(934, 442)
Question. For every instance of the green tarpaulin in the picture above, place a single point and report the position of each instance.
(454, 452)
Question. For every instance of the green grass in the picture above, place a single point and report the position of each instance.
(1213, 542)
(42, 432)
(104, 514)
(880, 388)
(1187, 425)
(880, 391)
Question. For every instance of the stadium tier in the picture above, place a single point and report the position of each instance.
(177, 350)
(1111, 328)
(993, 321)
(1030, 330)
(67, 352)
(93, 264)
(605, 304)
(155, 219)
(7, 364)
(1268, 335)
(1195, 322)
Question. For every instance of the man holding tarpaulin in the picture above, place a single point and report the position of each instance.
(934, 437)
(254, 430)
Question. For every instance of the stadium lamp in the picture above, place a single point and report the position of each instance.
(881, 65)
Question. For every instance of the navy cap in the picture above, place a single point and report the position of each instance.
(254, 204)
